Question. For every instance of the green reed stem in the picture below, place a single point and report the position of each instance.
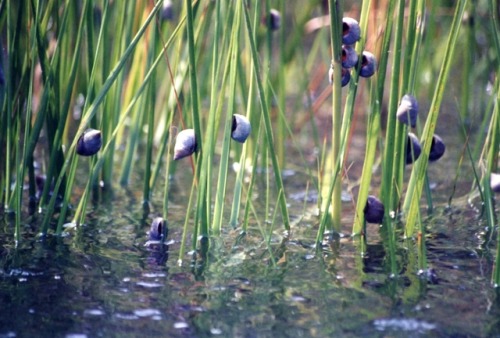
(226, 143)
(114, 97)
(65, 109)
(26, 158)
(235, 209)
(281, 130)
(394, 133)
(494, 145)
(109, 145)
(251, 184)
(372, 136)
(182, 248)
(150, 108)
(9, 102)
(267, 119)
(192, 76)
(92, 110)
(491, 165)
(412, 200)
(336, 13)
(205, 173)
(50, 78)
(93, 67)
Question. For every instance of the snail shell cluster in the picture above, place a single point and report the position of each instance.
(351, 33)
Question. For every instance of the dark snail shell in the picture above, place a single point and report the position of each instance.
(89, 143)
(241, 128)
(408, 110)
(273, 21)
(437, 148)
(346, 76)
(185, 144)
(349, 56)
(158, 230)
(368, 64)
(167, 10)
(374, 210)
(350, 31)
(413, 148)
(495, 182)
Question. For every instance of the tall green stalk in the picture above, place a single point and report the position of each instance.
(374, 122)
(224, 160)
(415, 186)
(494, 146)
(267, 119)
(92, 110)
(394, 134)
(336, 13)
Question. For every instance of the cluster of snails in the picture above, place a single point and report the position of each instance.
(407, 114)
(185, 143)
(351, 33)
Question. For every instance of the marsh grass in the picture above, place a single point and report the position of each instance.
(143, 79)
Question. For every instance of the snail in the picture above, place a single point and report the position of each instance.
(495, 182)
(374, 210)
(437, 148)
(241, 128)
(408, 110)
(89, 143)
(349, 56)
(158, 230)
(167, 10)
(413, 148)
(350, 31)
(368, 64)
(346, 76)
(185, 144)
(273, 20)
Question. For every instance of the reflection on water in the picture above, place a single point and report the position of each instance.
(104, 279)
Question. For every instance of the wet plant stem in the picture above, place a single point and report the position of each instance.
(494, 144)
(374, 122)
(267, 120)
(224, 161)
(336, 12)
(92, 110)
(415, 186)
(394, 137)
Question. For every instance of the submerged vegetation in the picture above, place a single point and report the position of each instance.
(95, 91)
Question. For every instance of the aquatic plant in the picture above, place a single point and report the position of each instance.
(113, 81)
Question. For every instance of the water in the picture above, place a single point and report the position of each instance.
(102, 280)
